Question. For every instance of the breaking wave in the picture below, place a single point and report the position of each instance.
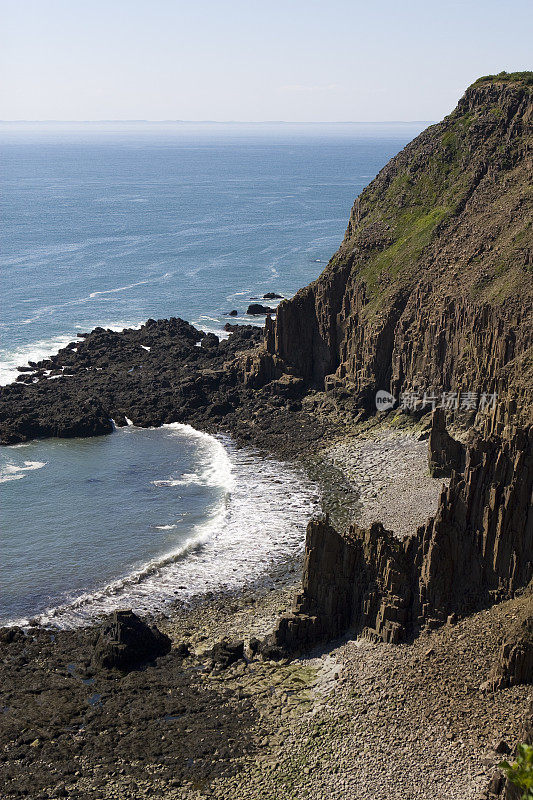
(260, 520)
(13, 472)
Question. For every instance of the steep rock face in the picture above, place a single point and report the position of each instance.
(432, 284)
(478, 548)
(444, 452)
(480, 543)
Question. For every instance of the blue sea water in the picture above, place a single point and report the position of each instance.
(109, 224)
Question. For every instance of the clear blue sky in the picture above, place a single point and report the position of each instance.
(246, 60)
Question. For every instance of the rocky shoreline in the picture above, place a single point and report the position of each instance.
(364, 464)
(429, 293)
(261, 727)
(166, 371)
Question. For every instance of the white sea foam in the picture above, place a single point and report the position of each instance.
(5, 476)
(43, 348)
(218, 331)
(13, 472)
(260, 520)
(35, 351)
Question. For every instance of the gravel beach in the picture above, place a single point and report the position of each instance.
(353, 720)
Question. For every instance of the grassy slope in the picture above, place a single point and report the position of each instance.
(421, 194)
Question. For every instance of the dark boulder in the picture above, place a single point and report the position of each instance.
(225, 653)
(126, 642)
(256, 309)
(272, 296)
(270, 650)
(254, 645)
(11, 634)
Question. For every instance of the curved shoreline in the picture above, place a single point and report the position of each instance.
(258, 524)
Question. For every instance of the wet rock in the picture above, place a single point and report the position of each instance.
(210, 342)
(152, 375)
(256, 309)
(125, 642)
(272, 296)
(12, 634)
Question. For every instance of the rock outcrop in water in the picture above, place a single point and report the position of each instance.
(478, 548)
(166, 371)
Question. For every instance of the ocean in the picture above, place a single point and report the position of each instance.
(110, 224)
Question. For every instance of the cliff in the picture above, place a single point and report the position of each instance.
(432, 285)
(476, 550)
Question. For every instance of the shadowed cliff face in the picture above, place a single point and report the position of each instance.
(433, 283)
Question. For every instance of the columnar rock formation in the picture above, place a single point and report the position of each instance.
(444, 452)
(478, 548)
(430, 292)
(431, 288)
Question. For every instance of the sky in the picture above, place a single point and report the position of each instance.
(291, 60)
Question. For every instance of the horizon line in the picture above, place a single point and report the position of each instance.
(210, 122)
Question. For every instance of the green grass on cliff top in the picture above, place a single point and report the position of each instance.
(412, 206)
(507, 77)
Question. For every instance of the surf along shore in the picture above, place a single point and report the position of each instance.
(429, 291)
(350, 718)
